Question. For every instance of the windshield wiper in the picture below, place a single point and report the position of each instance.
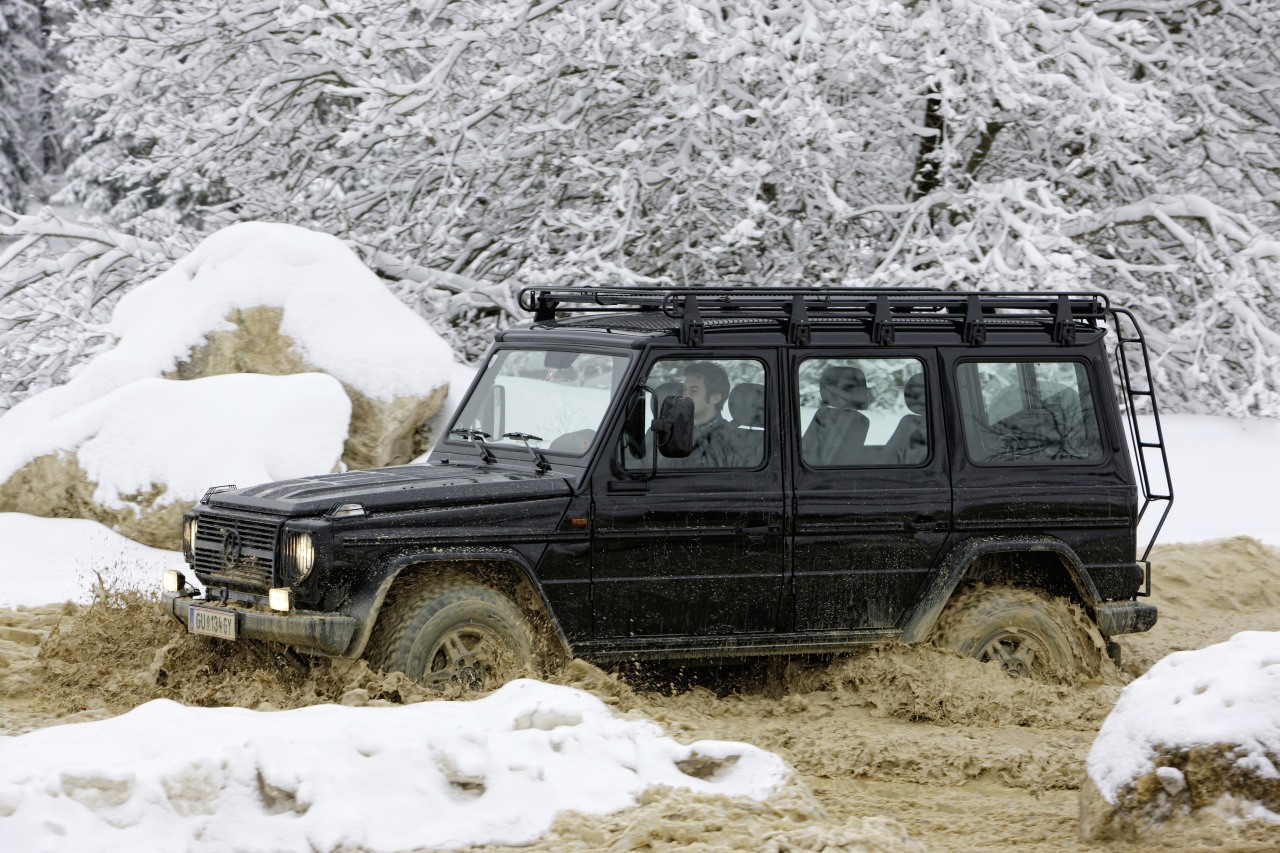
(478, 436)
(540, 462)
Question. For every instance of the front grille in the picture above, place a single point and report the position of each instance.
(235, 551)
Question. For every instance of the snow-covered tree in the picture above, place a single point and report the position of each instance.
(21, 56)
(469, 147)
(33, 124)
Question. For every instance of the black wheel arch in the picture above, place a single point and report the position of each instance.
(503, 569)
(1035, 562)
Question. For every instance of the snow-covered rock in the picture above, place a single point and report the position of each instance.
(277, 299)
(1197, 735)
(165, 777)
(138, 457)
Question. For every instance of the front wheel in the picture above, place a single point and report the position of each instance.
(452, 634)
(1029, 634)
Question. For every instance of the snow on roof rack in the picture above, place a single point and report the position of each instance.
(881, 310)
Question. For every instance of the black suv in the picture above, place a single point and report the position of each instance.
(711, 473)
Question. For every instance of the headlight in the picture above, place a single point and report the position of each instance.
(300, 552)
(189, 537)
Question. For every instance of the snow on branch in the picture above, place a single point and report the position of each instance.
(467, 149)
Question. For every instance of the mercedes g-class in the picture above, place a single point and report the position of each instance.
(710, 473)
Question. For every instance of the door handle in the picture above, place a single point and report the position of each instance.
(628, 487)
(756, 535)
(924, 522)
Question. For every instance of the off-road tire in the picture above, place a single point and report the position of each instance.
(1027, 632)
(452, 634)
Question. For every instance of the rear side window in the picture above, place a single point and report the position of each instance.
(1028, 411)
(857, 412)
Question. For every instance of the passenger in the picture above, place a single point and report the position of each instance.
(838, 430)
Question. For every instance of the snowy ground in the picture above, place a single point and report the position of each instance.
(102, 785)
(328, 777)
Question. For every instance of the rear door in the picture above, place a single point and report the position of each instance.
(871, 485)
(1032, 456)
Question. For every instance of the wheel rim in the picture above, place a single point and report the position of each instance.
(1016, 653)
(468, 656)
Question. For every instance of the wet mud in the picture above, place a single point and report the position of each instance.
(894, 749)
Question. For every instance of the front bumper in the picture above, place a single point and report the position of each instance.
(326, 633)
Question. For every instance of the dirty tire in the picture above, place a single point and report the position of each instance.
(452, 634)
(1028, 633)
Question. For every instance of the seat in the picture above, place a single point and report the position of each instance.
(746, 413)
(909, 443)
(838, 431)
(575, 442)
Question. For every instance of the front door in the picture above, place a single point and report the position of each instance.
(872, 489)
(695, 549)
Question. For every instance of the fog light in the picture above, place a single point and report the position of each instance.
(171, 580)
(280, 599)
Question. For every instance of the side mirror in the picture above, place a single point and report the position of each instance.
(673, 428)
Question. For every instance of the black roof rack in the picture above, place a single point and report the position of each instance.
(882, 310)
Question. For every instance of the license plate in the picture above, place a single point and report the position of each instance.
(212, 623)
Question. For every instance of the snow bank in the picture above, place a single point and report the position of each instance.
(186, 436)
(437, 774)
(1197, 726)
(341, 319)
(47, 560)
(1225, 476)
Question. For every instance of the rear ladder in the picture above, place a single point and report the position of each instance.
(1131, 343)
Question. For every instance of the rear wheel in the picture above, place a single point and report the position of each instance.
(1029, 634)
(452, 634)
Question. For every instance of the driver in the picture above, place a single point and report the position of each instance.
(707, 385)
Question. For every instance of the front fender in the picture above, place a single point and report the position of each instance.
(919, 624)
(365, 602)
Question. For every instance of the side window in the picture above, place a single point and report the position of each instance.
(728, 413)
(1028, 411)
(862, 412)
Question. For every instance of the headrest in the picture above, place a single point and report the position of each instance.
(913, 393)
(844, 388)
(746, 404)
(575, 442)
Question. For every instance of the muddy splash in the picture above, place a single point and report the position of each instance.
(895, 749)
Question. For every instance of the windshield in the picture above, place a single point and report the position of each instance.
(555, 398)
